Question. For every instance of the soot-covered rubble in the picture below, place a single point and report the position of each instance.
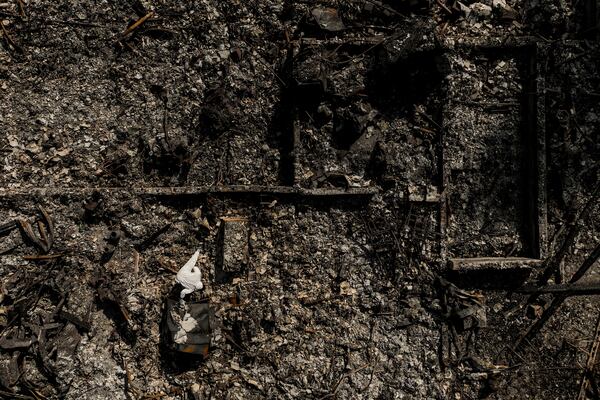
(389, 199)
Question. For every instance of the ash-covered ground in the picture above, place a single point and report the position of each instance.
(391, 199)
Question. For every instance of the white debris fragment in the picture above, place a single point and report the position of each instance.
(187, 324)
(190, 276)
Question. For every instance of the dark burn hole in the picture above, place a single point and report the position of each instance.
(216, 116)
(307, 79)
(348, 127)
(406, 7)
(170, 158)
(398, 86)
(268, 326)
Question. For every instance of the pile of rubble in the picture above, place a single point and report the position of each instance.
(380, 199)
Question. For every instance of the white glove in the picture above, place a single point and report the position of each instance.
(189, 276)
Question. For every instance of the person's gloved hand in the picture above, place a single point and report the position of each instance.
(189, 276)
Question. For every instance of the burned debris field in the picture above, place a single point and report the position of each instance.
(273, 199)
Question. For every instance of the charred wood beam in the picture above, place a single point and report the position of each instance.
(466, 42)
(301, 195)
(564, 289)
(255, 189)
(261, 194)
(286, 120)
(75, 320)
(8, 227)
(194, 190)
(557, 301)
(530, 229)
(151, 238)
(590, 20)
(553, 262)
(235, 191)
(491, 272)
